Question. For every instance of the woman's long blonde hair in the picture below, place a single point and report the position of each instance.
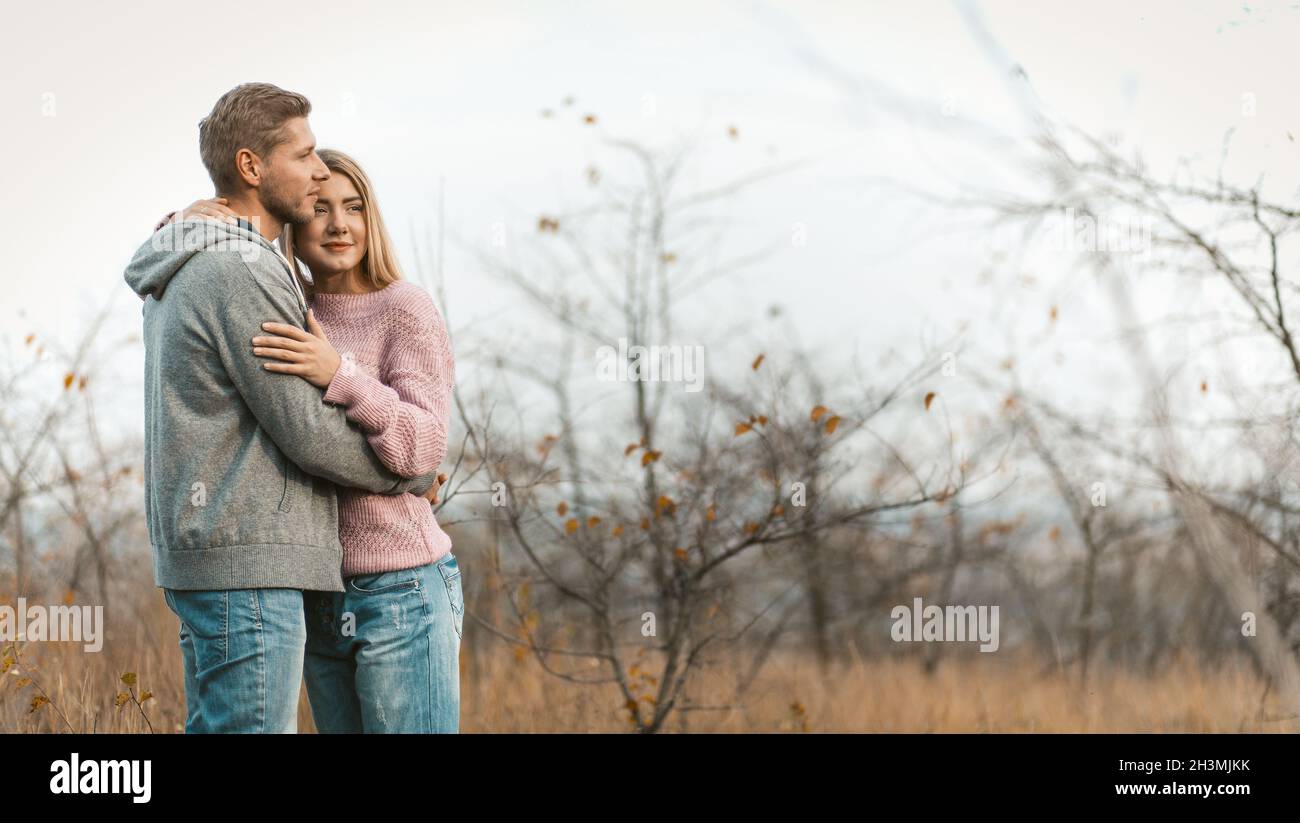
(379, 264)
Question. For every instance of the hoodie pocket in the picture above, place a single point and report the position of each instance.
(290, 483)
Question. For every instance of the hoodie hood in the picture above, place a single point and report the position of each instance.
(156, 262)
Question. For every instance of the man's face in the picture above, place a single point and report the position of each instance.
(293, 175)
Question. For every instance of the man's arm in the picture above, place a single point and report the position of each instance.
(314, 435)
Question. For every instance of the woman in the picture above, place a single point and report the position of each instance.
(382, 656)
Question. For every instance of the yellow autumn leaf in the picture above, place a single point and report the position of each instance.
(741, 428)
(561, 508)
(129, 678)
(757, 361)
(571, 525)
(67, 381)
(631, 447)
(929, 398)
(817, 413)
(650, 457)
(592, 521)
(831, 423)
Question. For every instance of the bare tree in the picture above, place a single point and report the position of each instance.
(714, 514)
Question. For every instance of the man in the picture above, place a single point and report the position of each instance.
(238, 524)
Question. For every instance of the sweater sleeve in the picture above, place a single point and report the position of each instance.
(405, 416)
(314, 436)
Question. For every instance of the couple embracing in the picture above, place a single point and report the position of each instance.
(294, 428)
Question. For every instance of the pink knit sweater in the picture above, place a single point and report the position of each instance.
(395, 383)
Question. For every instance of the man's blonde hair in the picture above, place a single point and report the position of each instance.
(379, 264)
(249, 116)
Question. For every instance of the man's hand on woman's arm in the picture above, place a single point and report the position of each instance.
(432, 494)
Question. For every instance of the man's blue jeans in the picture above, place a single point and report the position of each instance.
(384, 656)
(243, 653)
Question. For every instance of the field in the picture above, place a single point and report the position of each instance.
(507, 692)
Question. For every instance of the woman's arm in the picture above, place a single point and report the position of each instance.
(211, 209)
(405, 419)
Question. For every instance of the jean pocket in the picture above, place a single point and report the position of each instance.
(385, 582)
(205, 622)
(455, 593)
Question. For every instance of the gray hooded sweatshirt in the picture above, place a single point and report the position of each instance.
(240, 462)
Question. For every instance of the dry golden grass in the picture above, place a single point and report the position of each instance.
(975, 694)
(502, 691)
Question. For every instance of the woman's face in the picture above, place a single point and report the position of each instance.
(335, 239)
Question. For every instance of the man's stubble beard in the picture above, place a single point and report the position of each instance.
(281, 206)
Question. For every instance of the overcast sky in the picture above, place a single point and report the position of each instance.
(101, 104)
